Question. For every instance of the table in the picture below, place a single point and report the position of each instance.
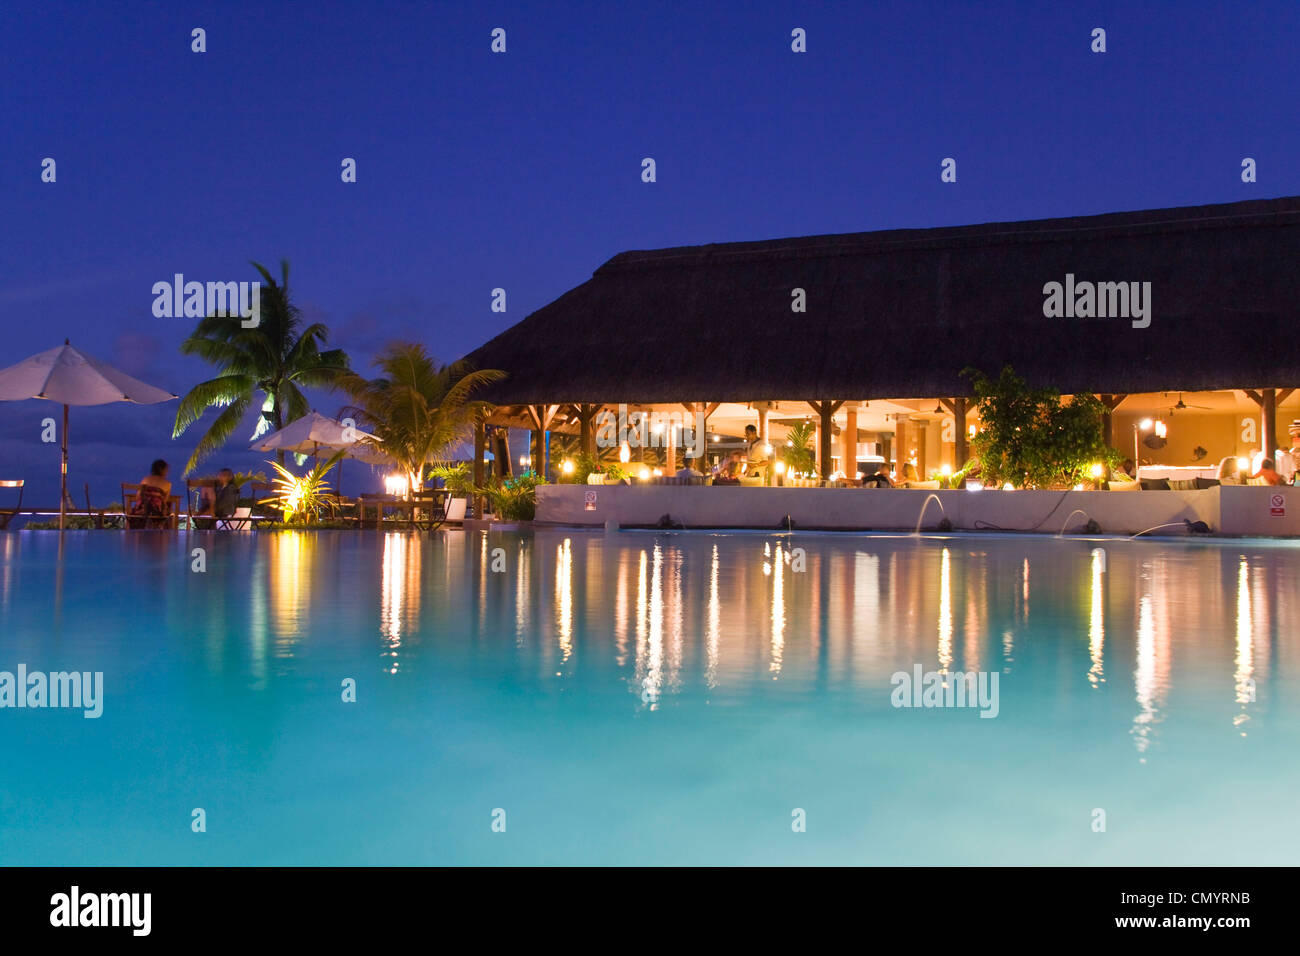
(1177, 472)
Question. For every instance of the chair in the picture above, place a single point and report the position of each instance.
(456, 510)
(160, 510)
(428, 508)
(7, 514)
(192, 487)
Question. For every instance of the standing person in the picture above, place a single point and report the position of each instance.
(757, 455)
(1293, 453)
(1284, 464)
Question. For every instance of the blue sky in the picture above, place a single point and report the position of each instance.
(522, 170)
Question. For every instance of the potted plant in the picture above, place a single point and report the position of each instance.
(514, 500)
(459, 482)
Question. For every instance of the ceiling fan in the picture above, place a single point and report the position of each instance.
(1183, 406)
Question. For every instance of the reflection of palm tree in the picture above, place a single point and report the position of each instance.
(417, 408)
(275, 359)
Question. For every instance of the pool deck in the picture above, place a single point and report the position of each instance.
(1234, 511)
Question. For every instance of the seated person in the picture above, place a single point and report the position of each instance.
(730, 474)
(907, 477)
(1126, 467)
(151, 497)
(878, 480)
(1228, 472)
(221, 500)
(686, 471)
(1268, 473)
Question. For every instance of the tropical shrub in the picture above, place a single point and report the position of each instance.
(304, 499)
(457, 479)
(1031, 438)
(514, 499)
(797, 454)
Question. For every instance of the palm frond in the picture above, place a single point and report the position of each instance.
(219, 431)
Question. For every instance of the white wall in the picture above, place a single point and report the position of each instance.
(1229, 510)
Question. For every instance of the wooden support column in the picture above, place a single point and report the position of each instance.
(826, 416)
(960, 439)
(763, 437)
(1267, 399)
(501, 451)
(541, 417)
(1107, 422)
(1268, 412)
(586, 434)
(480, 449)
(902, 442)
(702, 463)
(849, 444)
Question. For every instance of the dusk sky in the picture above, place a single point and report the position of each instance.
(522, 170)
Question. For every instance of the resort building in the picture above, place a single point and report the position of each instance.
(1182, 320)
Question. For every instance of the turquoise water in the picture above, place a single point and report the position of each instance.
(649, 698)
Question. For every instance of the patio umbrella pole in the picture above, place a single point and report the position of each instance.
(63, 483)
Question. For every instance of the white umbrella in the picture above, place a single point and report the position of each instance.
(309, 434)
(70, 377)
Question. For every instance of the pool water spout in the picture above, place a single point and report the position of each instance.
(1076, 511)
(925, 504)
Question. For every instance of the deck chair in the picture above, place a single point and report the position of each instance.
(159, 511)
(456, 510)
(7, 514)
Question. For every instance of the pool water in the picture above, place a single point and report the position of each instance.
(641, 698)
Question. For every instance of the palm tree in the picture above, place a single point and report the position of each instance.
(416, 408)
(276, 359)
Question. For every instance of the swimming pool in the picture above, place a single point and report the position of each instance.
(649, 698)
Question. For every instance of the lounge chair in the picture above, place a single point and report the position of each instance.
(456, 510)
(7, 514)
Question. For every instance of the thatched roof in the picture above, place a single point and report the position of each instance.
(900, 313)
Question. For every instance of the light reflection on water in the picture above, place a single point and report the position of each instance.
(1151, 655)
